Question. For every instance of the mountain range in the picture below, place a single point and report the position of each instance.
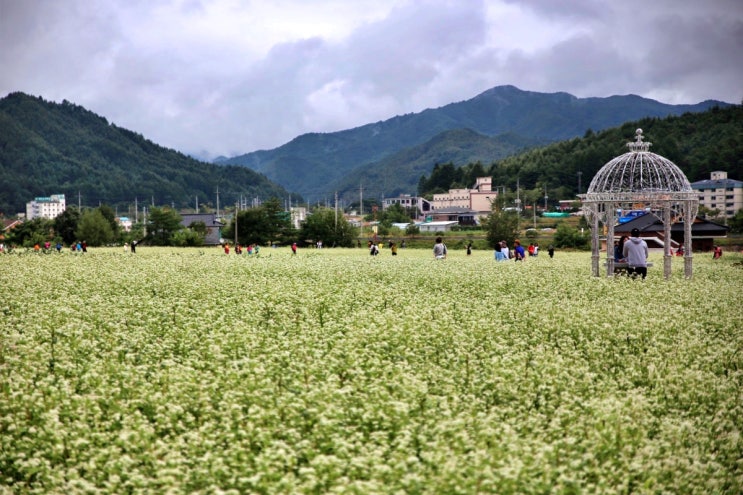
(50, 148)
(388, 157)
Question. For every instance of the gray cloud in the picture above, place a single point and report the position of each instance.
(225, 77)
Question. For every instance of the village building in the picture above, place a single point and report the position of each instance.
(213, 226)
(298, 215)
(421, 205)
(650, 225)
(720, 193)
(477, 199)
(46, 207)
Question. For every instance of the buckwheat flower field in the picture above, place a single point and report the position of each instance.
(189, 371)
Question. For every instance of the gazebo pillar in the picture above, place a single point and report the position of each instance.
(611, 216)
(689, 215)
(667, 257)
(595, 241)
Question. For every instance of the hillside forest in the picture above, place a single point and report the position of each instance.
(61, 148)
(698, 143)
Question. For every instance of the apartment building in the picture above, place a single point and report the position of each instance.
(45, 207)
(720, 193)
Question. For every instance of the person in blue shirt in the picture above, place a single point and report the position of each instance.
(518, 251)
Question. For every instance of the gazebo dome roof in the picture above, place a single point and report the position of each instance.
(639, 172)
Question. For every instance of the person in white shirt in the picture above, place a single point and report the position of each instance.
(635, 251)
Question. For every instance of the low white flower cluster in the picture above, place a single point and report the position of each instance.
(180, 371)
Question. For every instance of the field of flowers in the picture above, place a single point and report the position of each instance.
(174, 371)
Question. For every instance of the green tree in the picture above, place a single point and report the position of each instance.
(261, 225)
(65, 225)
(110, 215)
(324, 225)
(501, 226)
(278, 221)
(736, 222)
(252, 227)
(38, 230)
(162, 223)
(188, 237)
(570, 237)
(94, 229)
(200, 228)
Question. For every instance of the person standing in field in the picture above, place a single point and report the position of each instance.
(551, 251)
(294, 248)
(393, 248)
(439, 249)
(635, 251)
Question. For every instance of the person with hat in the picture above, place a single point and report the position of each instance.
(635, 251)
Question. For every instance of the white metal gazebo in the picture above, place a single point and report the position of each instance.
(640, 179)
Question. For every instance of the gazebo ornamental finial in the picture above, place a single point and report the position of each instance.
(639, 144)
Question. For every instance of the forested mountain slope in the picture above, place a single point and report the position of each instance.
(698, 143)
(49, 148)
(309, 163)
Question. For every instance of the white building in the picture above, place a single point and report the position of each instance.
(126, 223)
(298, 215)
(478, 198)
(720, 193)
(45, 207)
(421, 205)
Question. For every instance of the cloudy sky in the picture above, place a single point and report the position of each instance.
(225, 77)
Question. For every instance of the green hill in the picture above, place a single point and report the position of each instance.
(400, 172)
(698, 143)
(49, 148)
(311, 162)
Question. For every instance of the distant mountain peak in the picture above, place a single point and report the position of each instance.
(311, 161)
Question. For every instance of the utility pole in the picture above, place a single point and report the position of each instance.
(136, 211)
(236, 209)
(197, 204)
(336, 209)
(79, 205)
(545, 198)
(518, 205)
(217, 202)
(361, 200)
(579, 177)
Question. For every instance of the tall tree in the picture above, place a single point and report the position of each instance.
(110, 215)
(94, 229)
(324, 225)
(501, 226)
(162, 223)
(264, 224)
(66, 224)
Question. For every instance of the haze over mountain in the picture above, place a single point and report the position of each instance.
(50, 148)
(317, 165)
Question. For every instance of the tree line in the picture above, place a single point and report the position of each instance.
(266, 224)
